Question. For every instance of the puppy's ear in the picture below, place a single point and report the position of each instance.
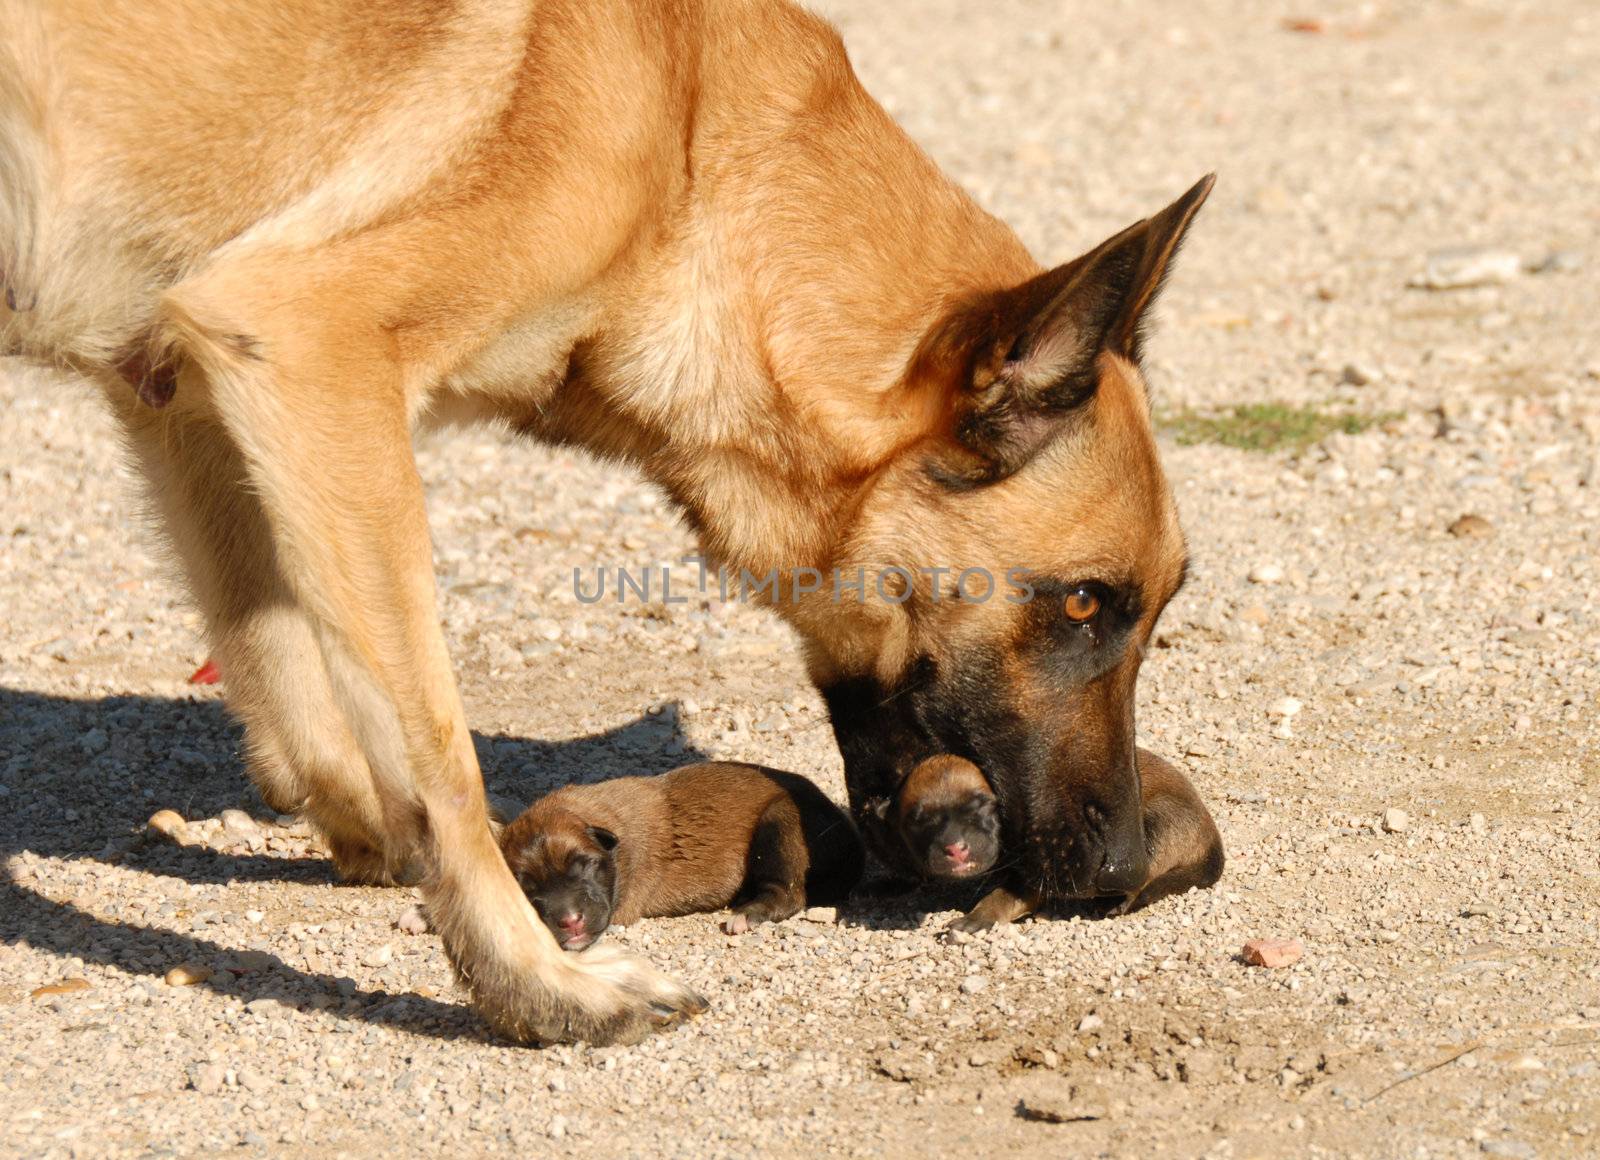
(1019, 362)
(602, 837)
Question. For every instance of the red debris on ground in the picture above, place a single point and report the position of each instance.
(1272, 952)
(206, 674)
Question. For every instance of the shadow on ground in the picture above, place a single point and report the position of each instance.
(82, 777)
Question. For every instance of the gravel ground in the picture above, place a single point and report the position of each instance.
(1427, 824)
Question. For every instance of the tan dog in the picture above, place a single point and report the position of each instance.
(698, 839)
(673, 232)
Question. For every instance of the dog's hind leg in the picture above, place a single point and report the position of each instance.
(775, 879)
(303, 364)
(298, 748)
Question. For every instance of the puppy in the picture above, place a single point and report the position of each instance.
(694, 840)
(945, 818)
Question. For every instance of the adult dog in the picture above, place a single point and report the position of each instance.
(282, 233)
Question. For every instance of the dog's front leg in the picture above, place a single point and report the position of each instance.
(305, 379)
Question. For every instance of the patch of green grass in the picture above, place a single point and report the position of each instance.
(1265, 426)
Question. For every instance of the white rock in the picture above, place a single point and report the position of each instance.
(379, 957)
(1478, 824)
(972, 984)
(1460, 267)
(1266, 574)
(1285, 707)
(238, 823)
(1395, 820)
(1091, 1022)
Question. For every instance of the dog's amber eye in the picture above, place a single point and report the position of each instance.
(1082, 605)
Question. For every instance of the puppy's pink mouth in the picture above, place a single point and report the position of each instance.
(576, 942)
(961, 869)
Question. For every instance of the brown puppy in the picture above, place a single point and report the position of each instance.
(945, 818)
(1184, 847)
(694, 840)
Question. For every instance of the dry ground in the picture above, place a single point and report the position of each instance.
(1449, 998)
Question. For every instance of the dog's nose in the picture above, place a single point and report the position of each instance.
(959, 853)
(571, 924)
(1120, 876)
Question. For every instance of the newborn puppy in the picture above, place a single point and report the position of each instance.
(946, 818)
(694, 840)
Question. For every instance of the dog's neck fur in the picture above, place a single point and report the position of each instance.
(810, 247)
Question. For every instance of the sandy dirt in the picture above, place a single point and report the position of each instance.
(1429, 828)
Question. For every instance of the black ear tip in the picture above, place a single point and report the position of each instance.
(1197, 194)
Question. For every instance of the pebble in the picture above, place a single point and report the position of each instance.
(1272, 952)
(1462, 267)
(188, 974)
(1395, 820)
(64, 987)
(1266, 574)
(1358, 375)
(380, 957)
(1478, 824)
(1469, 526)
(1090, 1022)
(972, 984)
(827, 914)
(1059, 1103)
(208, 1078)
(238, 824)
(168, 824)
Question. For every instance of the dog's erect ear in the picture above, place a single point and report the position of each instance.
(603, 838)
(1024, 358)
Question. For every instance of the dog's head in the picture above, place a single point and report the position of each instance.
(1041, 502)
(945, 819)
(568, 870)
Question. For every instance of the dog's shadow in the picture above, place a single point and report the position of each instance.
(79, 780)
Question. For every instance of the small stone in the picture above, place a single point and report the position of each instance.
(412, 921)
(168, 824)
(1090, 1022)
(1478, 824)
(238, 824)
(64, 987)
(544, 628)
(1395, 821)
(1285, 707)
(1557, 262)
(380, 957)
(557, 1128)
(827, 914)
(254, 916)
(1358, 375)
(1266, 574)
(207, 1078)
(188, 974)
(254, 1081)
(1272, 952)
(972, 984)
(1461, 267)
(1058, 1103)
(1469, 525)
